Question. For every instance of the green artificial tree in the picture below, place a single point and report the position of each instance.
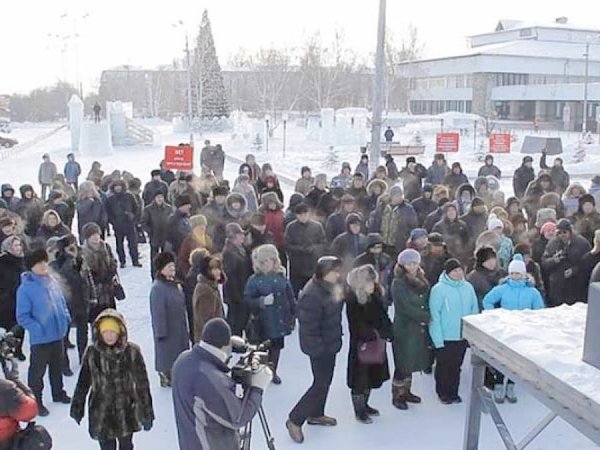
(208, 79)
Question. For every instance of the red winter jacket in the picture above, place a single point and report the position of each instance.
(16, 405)
(274, 223)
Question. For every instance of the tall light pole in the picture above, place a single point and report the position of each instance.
(378, 86)
(285, 119)
(190, 109)
(267, 120)
(585, 85)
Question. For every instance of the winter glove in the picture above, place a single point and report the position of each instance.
(147, 425)
(261, 378)
(268, 300)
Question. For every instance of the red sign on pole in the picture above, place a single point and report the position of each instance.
(500, 143)
(180, 157)
(447, 142)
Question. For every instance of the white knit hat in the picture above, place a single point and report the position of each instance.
(517, 265)
(494, 222)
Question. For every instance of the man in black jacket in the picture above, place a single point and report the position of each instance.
(305, 243)
(122, 211)
(155, 221)
(153, 187)
(320, 328)
(238, 268)
(178, 225)
(523, 176)
(425, 204)
(560, 264)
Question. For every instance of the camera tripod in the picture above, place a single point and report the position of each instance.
(246, 436)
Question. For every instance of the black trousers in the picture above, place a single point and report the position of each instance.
(312, 403)
(447, 369)
(125, 443)
(120, 235)
(237, 317)
(298, 281)
(45, 189)
(81, 325)
(43, 356)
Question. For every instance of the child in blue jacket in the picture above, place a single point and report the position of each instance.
(517, 292)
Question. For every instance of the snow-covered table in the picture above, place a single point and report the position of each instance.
(542, 352)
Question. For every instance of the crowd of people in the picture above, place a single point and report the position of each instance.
(409, 252)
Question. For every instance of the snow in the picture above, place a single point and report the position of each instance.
(552, 338)
(427, 426)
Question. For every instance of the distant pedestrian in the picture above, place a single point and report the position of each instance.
(389, 135)
(97, 108)
(46, 175)
(72, 171)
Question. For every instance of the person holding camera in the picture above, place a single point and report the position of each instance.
(270, 297)
(42, 311)
(17, 404)
(320, 319)
(11, 268)
(208, 413)
(114, 374)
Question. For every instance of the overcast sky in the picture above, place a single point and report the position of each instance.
(140, 33)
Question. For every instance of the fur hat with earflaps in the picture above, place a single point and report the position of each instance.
(358, 278)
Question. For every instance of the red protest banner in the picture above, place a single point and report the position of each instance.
(447, 142)
(500, 143)
(180, 157)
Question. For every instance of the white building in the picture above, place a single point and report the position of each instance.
(521, 71)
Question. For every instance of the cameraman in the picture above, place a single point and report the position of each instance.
(208, 413)
(17, 404)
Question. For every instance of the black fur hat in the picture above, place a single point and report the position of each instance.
(484, 254)
(162, 260)
(35, 257)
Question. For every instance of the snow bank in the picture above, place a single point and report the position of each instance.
(551, 338)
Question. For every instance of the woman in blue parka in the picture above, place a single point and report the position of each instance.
(517, 292)
(270, 297)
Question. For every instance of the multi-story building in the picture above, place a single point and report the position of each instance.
(520, 71)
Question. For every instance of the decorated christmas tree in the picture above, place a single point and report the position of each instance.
(209, 88)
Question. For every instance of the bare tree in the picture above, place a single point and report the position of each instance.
(399, 86)
(328, 73)
(269, 82)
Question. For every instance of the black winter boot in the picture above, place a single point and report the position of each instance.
(370, 411)
(360, 411)
(399, 391)
(410, 397)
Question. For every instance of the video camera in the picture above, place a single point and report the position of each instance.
(253, 358)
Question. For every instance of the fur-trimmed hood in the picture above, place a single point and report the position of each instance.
(376, 182)
(262, 254)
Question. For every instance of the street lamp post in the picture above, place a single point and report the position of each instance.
(378, 86)
(285, 119)
(585, 86)
(267, 120)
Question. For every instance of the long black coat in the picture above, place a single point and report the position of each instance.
(363, 322)
(117, 382)
(122, 210)
(423, 207)
(238, 268)
(11, 268)
(91, 210)
(562, 288)
(75, 283)
(103, 268)
(521, 179)
(305, 244)
(178, 227)
(155, 221)
(153, 188)
(319, 312)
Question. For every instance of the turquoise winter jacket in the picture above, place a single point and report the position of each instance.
(449, 302)
(514, 295)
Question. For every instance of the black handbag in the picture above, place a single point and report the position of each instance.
(118, 291)
(32, 437)
(140, 235)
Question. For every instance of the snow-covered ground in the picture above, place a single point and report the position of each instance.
(427, 426)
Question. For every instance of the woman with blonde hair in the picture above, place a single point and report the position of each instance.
(270, 297)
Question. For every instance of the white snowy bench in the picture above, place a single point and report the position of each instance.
(542, 352)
